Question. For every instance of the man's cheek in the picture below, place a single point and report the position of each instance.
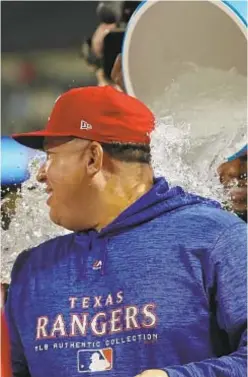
(59, 173)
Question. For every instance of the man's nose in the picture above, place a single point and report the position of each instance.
(41, 175)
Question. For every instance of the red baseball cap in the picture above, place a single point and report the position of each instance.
(102, 114)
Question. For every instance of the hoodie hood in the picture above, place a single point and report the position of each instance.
(156, 202)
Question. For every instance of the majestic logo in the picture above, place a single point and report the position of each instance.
(95, 360)
(85, 126)
(97, 265)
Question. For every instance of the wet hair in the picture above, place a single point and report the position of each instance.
(129, 152)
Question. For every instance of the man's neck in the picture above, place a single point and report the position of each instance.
(122, 191)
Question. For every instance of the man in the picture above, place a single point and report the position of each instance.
(151, 278)
(233, 175)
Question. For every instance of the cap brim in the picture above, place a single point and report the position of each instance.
(35, 140)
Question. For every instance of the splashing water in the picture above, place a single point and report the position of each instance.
(31, 224)
(201, 120)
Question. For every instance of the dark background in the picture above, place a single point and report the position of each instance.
(36, 25)
(41, 58)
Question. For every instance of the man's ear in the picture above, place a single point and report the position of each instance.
(94, 158)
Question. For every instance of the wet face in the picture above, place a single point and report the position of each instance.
(69, 175)
(233, 176)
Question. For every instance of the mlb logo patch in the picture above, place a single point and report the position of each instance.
(95, 360)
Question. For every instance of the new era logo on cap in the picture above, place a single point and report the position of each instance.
(85, 126)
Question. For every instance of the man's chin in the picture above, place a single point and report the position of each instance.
(57, 220)
(54, 217)
(67, 223)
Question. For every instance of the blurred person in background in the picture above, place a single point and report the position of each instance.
(109, 14)
(233, 176)
(114, 286)
(101, 50)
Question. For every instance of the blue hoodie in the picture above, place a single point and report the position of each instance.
(162, 287)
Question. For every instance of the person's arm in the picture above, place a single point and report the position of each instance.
(5, 368)
(116, 73)
(18, 360)
(229, 266)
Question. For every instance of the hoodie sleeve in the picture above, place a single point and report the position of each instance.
(228, 260)
(19, 363)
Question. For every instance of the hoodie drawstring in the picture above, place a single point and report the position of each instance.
(104, 253)
(91, 243)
